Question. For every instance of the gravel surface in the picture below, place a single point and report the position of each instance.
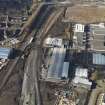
(85, 14)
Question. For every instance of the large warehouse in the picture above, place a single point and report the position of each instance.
(5, 53)
(58, 68)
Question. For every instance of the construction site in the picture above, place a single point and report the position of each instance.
(52, 52)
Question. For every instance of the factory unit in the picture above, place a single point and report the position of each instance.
(81, 78)
(95, 37)
(58, 68)
(90, 58)
(81, 72)
(83, 34)
(53, 42)
(65, 70)
(5, 53)
(82, 82)
(98, 59)
(58, 42)
(79, 28)
(78, 33)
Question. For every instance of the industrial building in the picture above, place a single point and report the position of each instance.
(90, 58)
(58, 68)
(98, 41)
(53, 42)
(98, 59)
(5, 53)
(82, 82)
(78, 34)
(81, 78)
(96, 37)
(65, 70)
(79, 28)
(81, 72)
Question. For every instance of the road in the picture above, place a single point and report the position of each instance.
(35, 67)
(36, 55)
(36, 24)
(30, 89)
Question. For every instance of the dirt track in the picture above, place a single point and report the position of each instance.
(11, 92)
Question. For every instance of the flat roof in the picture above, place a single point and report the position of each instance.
(84, 81)
(81, 72)
(5, 52)
(98, 38)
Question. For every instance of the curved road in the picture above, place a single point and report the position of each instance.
(36, 51)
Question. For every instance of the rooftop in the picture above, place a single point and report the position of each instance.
(58, 68)
(4, 53)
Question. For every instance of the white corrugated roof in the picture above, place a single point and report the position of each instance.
(98, 59)
(54, 42)
(84, 81)
(81, 72)
(79, 28)
(4, 52)
(100, 25)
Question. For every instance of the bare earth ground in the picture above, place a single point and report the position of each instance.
(85, 14)
(10, 94)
